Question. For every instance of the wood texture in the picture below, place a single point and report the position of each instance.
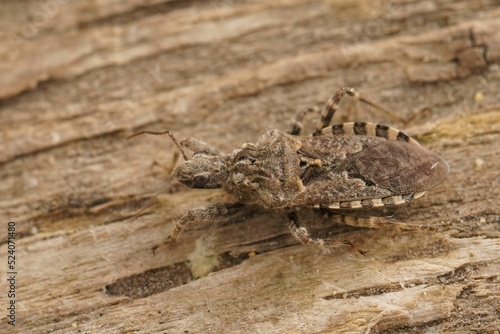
(78, 77)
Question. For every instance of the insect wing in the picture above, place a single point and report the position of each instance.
(400, 167)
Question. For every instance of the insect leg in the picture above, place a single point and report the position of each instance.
(297, 123)
(217, 213)
(378, 223)
(333, 105)
(171, 166)
(301, 234)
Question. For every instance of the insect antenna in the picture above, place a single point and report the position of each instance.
(160, 133)
(169, 170)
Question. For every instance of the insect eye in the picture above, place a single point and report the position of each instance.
(201, 179)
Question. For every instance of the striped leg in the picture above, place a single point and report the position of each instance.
(298, 121)
(333, 105)
(301, 234)
(218, 213)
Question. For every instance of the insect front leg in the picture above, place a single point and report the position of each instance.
(219, 213)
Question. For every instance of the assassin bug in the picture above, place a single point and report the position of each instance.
(351, 166)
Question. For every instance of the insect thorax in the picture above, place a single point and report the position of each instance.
(267, 173)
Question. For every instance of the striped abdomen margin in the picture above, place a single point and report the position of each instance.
(372, 202)
(370, 130)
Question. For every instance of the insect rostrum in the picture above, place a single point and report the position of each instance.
(346, 166)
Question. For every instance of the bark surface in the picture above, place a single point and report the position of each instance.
(78, 77)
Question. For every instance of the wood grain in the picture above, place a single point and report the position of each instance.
(77, 77)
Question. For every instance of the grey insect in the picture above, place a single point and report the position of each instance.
(346, 166)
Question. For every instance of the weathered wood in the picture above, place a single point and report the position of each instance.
(78, 80)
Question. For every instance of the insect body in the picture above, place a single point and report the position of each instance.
(346, 166)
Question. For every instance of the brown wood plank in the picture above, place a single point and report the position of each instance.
(76, 82)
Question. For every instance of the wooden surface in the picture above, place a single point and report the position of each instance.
(78, 77)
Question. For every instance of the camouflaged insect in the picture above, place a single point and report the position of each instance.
(345, 166)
